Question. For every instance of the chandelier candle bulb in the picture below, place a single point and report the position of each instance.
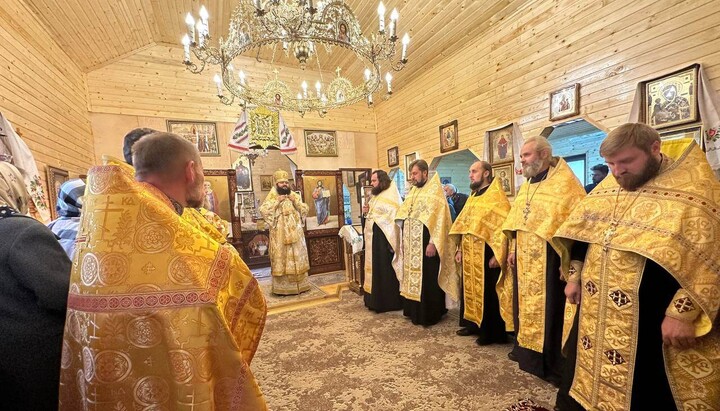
(381, 15)
(388, 79)
(394, 16)
(304, 87)
(370, 100)
(190, 22)
(204, 15)
(405, 42)
(367, 75)
(218, 83)
(299, 96)
(201, 33)
(204, 19)
(318, 86)
(242, 78)
(186, 48)
(258, 4)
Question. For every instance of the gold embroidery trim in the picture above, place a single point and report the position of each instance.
(531, 274)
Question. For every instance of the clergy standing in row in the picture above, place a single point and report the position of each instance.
(383, 253)
(486, 294)
(429, 266)
(542, 204)
(284, 212)
(648, 291)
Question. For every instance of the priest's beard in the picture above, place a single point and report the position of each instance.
(283, 191)
(632, 182)
(196, 194)
(376, 190)
(420, 183)
(532, 169)
(476, 185)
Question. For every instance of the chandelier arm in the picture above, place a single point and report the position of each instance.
(194, 67)
(399, 65)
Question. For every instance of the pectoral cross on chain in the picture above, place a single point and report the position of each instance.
(526, 211)
(609, 233)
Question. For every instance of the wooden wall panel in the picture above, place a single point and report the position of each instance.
(155, 83)
(355, 149)
(42, 92)
(507, 72)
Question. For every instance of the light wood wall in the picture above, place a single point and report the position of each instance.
(155, 83)
(506, 74)
(42, 92)
(355, 149)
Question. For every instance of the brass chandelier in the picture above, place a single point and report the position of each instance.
(298, 30)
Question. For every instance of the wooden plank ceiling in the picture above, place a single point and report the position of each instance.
(94, 33)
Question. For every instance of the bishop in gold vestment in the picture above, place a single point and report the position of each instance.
(429, 266)
(652, 268)
(162, 313)
(284, 212)
(487, 287)
(383, 253)
(542, 204)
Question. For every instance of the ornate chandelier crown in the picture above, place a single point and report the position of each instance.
(306, 31)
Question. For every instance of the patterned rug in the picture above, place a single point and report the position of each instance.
(318, 290)
(341, 356)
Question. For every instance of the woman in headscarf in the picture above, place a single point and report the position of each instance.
(34, 280)
(68, 207)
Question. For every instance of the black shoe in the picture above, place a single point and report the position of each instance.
(512, 356)
(483, 341)
(463, 332)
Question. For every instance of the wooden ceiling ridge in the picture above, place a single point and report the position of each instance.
(100, 32)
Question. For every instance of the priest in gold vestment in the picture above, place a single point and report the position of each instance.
(284, 212)
(486, 302)
(383, 253)
(542, 204)
(649, 289)
(429, 268)
(162, 312)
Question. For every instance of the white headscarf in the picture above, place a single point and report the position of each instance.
(12, 190)
(11, 145)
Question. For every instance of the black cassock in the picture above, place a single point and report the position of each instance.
(431, 307)
(385, 285)
(547, 365)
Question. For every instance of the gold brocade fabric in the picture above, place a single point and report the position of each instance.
(532, 284)
(551, 201)
(264, 125)
(480, 222)
(199, 217)
(429, 207)
(288, 251)
(675, 148)
(673, 220)
(539, 209)
(382, 210)
(210, 222)
(160, 315)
